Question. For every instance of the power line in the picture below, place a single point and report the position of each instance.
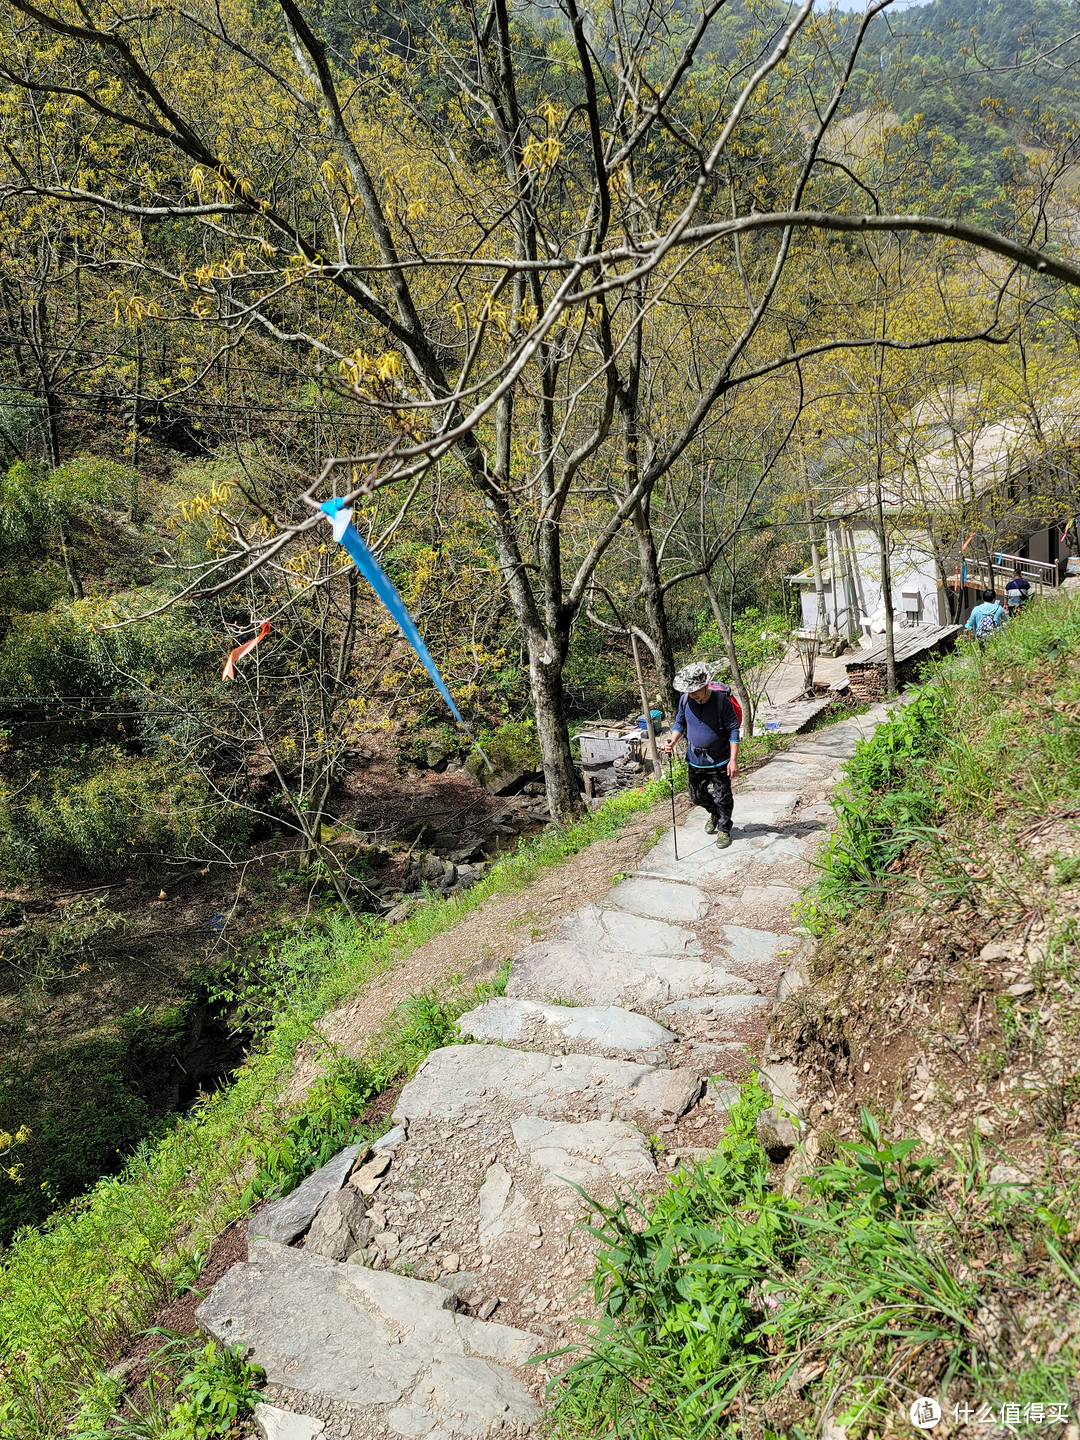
(39, 406)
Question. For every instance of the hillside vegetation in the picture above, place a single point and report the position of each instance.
(983, 81)
(977, 85)
(925, 1238)
(476, 270)
(75, 1290)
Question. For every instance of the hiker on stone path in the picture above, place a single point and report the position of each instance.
(986, 617)
(707, 718)
(1016, 591)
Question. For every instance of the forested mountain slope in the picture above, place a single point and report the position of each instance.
(983, 83)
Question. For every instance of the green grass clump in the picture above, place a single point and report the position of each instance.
(992, 735)
(888, 800)
(192, 1391)
(730, 1308)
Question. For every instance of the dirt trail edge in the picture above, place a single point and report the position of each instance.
(434, 1269)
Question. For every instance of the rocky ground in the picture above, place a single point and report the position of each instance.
(413, 1291)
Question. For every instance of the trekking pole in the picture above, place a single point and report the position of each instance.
(674, 827)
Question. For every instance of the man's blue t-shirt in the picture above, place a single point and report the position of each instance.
(711, 728)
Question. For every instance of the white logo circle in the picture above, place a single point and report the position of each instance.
(925, 1413)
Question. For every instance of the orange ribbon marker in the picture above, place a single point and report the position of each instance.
(229, 673)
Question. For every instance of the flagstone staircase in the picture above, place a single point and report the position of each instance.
(435, 1268)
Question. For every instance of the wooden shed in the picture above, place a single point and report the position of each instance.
(867, 676)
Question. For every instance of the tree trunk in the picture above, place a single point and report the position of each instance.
(654, 755)
(815, 552)
(854, 609)
(330, 690)
(886, 597)
(655, 612)
(832, 552)
(135, 451)
(41, 354)
(546, 656)
(952, 596)
(549, 707)
(738, 684)
(69, 566)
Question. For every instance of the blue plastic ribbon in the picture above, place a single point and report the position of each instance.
(346, 534)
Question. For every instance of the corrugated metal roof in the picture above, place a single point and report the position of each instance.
(966, 466)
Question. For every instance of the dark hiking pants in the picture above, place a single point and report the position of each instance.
(711, 789)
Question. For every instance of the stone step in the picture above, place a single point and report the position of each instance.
(746, 946)
(715, 1016)
(790, 773)
(388, 1345)
(273, 1423)
(678, 903)
(838, 744)
(606, 977)
(727, 1058)
(768, 809)
(568, 1154)
(600, 957)
(283, 1220)
(459, 1082)
(766, 907)
(496, 1201)
(701, 862)
(529, 1023)
(756, 899)
(619, 930)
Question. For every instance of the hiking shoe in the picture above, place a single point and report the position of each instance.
(723, 840)
(710, 825)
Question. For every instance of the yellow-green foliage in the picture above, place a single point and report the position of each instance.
(10, 1142)
(120, 816)
(512, 746)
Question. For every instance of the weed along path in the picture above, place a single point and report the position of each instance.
(404, 1291)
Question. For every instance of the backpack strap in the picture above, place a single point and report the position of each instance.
(680, 714)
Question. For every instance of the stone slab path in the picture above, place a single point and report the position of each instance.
(431, 1271)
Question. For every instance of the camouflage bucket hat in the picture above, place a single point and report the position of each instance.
(694, 676)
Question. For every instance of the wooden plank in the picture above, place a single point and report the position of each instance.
(905, 646)
(792, 718)
(868, 676)
(908, 644)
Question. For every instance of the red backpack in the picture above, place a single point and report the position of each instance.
(719, 688)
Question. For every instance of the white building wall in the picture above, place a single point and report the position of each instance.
(914, 580)
(808, 602)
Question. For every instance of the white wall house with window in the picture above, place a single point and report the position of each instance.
(957, 518)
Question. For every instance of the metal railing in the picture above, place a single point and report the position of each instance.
(1041, 573)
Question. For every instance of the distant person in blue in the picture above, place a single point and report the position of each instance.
(1016, 592)
(707, 718)
(986, 616)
